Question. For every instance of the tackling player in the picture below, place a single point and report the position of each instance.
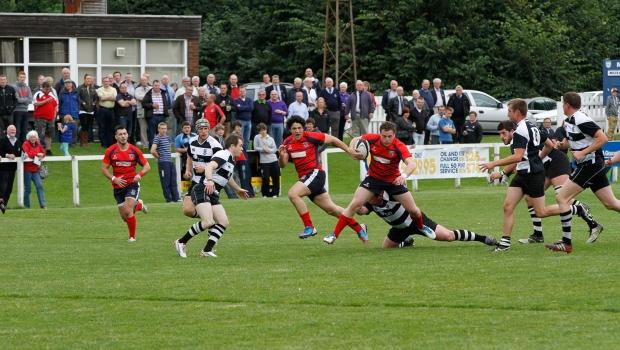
(301, 147)
(383, 176)
(123, 158)
(403, 227)
(557, 169)
(206, 197)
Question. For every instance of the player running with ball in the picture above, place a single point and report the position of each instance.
(383, 176)
(123, 158)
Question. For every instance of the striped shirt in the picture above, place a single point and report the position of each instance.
(528, 137)
(391, 211)
(157, 98)
(201, 153)
(225, 168)
(580, 131)
(163, 147)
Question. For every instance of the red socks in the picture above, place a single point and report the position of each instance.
(137, 207)
(305, 217)
(131, 225)
(344, 221)
(419, 221)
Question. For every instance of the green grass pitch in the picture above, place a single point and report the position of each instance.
(70, 279)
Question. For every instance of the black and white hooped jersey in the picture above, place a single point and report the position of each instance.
(225, 168)
(580, 130)
(201, 153)
(391, 212)
(528, 137)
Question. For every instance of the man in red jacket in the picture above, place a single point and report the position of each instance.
(45, 109)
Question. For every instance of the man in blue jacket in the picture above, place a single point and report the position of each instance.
(244, 107)
(69, 103)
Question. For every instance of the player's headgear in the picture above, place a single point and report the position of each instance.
(202, 123)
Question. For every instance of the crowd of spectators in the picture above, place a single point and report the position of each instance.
(76, 114)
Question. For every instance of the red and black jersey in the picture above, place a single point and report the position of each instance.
(385, 161)
(304, 152)
(123, 162)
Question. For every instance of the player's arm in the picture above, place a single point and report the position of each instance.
(600, 139)
(331, 140)
(409, 168)
(283, 159)
(548, 147)
(240, 191)
(105, 169)
(146, 167)
(188, 167)
(613, 160)
(363, 210)
(512, 159)
(506, 172)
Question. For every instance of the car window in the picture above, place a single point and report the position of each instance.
(537, 105)
(484, 100)
(251, 93)
(550, 105)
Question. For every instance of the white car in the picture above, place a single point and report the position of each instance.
(490, 110)
(591, 104)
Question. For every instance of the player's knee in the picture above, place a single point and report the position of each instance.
(508, 207)
(207, 223)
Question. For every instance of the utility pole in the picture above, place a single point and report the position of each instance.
(339, 40)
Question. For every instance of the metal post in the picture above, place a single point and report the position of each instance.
(352, 41)
(337, 31)
(325, 169)
(416, 188)
(75, 176)
(177, 166)
(457, 182)
(20, 182)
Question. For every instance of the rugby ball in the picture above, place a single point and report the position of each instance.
(363, 147)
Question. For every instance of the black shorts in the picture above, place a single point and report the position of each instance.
(532, 185)
(377, 187)
(315, 181)
(398, 235)
(189, 190)
(199, 195)
(131, 191)
(591, 175)
(557, 166)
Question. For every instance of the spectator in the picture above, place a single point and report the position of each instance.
(107, 102)
(372, 94)
(360, 109)
(311, 125)
(277, 87)
(439, 97)
(87, 97)
(52, 89)
(141, 91)
(186, 107)
(23, 94)
(160, 149)
(397, 105)
(316, 84)
(333, 103)
(186, 84)
(170, 119)
(195, 85)
(270, 171)
(8, 101)
(546, 127)
(428, 96)
(290, 94)
(472, 130)
(320, 116)
(279, 111)
(233, 87)
(344, 99)
(211, 86)
(10, 148)
(433, 127)
(611, 110)
(420, 117)
(69, 103)
(45, 108)
(181, 143)
(298, 107)
(131, 85)
(213, 113)
(66, 75)
(116, 81)
(225, 102)
(266, 81)
(460, 103)
(311, 93)
(125, 103)
(446, 127)
(244, 107)
(242, 165)
(415, 94)
(32, 149)
(202, 101)
(261, 112)
(388, 95)
(66, 134)
(405, 127)
(155, 104)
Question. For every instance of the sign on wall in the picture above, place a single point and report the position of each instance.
(611, 77)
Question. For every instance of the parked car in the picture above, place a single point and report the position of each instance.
(253, 88)
(591, 104)
(540, 104)
(490, 110)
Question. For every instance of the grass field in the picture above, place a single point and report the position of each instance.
(69, 278)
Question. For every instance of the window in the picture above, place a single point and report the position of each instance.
(120, 52)
(484, 100)
(49, 71)
(165, 52)
(87, 51)
(49, 51)
(11, 50)
(175, 74)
